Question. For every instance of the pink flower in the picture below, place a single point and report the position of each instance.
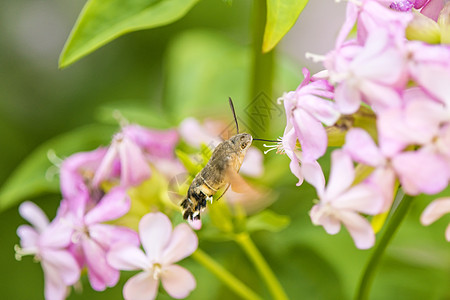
(421, 122)
(48, 243)
(306, 109)
(361, 148)
(374, 74)
(429, 67)
(93, 239)
(77, 172)
(434, 211)
(163, 247)
(342, 203)
(124, 159)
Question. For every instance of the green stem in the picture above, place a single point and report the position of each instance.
(274, 286)
(226, 277)
(392, 226)
(261, 77)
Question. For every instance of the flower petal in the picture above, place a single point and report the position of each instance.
(435, 210)
(421, 171)
(311, 134)
(182, 244)
(100, 273)
(320, 216)
(54, 287)
(141, 287)
(113, 205)
(28, 236)
(33, 214)
(359, 228)
(58, 234)
(155, 230)
(361, 198)
(134, 166)
(109, 235)
(342, 174)
(127, 257)
(314, 175)
(62, 265)
(177, 281)
(362, 148)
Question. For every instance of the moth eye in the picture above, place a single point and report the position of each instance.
(243, 145)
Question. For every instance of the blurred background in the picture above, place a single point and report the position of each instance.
(188, 68)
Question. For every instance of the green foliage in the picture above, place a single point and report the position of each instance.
(281, 16)
(29, 179)
(103, 21)
(267, 220)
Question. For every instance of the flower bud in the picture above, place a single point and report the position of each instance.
(422, 28)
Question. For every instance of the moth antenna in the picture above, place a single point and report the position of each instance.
(264, 140)
(234, 114)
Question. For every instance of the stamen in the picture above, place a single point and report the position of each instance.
(278, 146)
(20, 252)
(156, 271)
(117, 115)
(314, 57)
(53, 158)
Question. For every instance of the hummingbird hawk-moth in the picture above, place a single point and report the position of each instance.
(221, 169)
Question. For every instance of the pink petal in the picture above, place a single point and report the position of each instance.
(54, 287)
(380, 96)
(361, 198)
(361, 147)
(347, 97)
(342, 174)
(28, 236)
(384, 181)
(134, 166)
(103, 171)
(33, 214)
(100, 273)
(141, 287)
(323, 110)
(320, 216)
(127, 257)
(311, 134)
(177, 281)
(58, 234)
(253, 164)
(421, 171)
(182, 244)
(289, 141)
(359, 229)
(195, 134)
(426, 74)
(113, 205)
(157, 143)
(155, 230)
(108, 235)
(74, 171)
(432, 9)
(435, 210)
(314, 175)
(61, 264)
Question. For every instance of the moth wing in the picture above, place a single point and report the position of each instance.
(238, 183)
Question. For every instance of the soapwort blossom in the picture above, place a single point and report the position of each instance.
(49, 243)
(342, 203)
(434, 211)
(92, 238)
(163, 247)
(306, 109)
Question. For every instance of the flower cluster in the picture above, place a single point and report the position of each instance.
(85, 234)
(377, 79)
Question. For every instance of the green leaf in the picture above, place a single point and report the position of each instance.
(267, 220)
(281, 16)
(103, 21)
(29, 179)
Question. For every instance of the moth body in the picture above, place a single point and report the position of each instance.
(225, 161)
